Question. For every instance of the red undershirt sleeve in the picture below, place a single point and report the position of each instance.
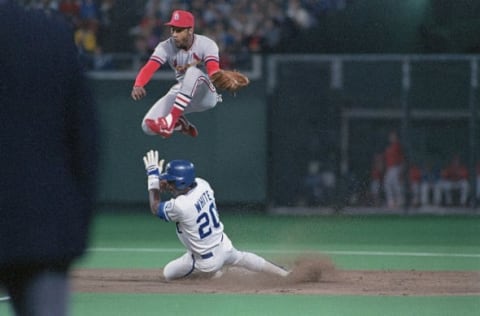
(212, 67)
(146, 73)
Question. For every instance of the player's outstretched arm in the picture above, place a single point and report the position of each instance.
(154, 167)
(143, 77)
(154, 200)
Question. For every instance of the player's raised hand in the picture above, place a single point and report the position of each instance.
(152, 165)
(138, 93)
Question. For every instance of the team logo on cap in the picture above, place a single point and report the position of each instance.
(176, 16)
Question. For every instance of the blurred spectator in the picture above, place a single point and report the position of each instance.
(142, 51)
(224, 7)
(353, 189)
(271, 35)
(394, 163)
(106, 29)
(415, 179)
(318, 185)
(454, 177)
(211, 16)
(311, 192)
(255, 42)
(88, 10)
(71, 10)
(86, 40)
(46, 5)
(158, 8)
(86, 36)
(150, 31)
(324, 6)
(376, 179)
(299, 15)
(430, 186)
(101, 61)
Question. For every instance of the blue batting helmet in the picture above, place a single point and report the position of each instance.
(182, 172)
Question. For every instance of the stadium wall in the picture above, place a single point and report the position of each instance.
(230, 150)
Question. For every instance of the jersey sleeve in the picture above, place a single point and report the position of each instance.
(146, 73)
(167, 211)
(161, 52)
(157, 59)
(211, 57)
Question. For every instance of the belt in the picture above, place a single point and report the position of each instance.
(206, 255)
(209, 254)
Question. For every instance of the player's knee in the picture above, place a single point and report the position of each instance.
(193, 72)
(146, 130)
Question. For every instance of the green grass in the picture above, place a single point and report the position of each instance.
(274, 305)
(139, 240)
(373, 242)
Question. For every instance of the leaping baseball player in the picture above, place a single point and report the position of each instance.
(192, 208)
(195, 90)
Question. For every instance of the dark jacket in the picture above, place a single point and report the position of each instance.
(48, 141)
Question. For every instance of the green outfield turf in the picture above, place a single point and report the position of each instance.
(139, 240)
(271, 305)
(371, 242)
(266, 305)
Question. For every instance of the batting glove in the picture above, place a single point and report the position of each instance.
(153, 167)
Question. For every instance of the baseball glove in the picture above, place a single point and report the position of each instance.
(229, 80)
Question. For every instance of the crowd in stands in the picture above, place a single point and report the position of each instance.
(240, 27)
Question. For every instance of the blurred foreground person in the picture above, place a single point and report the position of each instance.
(47, 160)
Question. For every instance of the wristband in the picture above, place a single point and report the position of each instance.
(153, 182)
(153, 172)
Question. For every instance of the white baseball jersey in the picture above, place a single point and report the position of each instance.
(198, 225)
(202, 50)
(201, 232)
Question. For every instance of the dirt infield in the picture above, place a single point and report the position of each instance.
(310, 275)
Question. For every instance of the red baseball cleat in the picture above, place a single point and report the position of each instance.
(160, 127)
(187, 128)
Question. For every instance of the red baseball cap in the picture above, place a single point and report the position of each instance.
(181, 18)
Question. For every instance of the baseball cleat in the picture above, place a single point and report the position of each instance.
(160, 127)
(187, 128)
(285, 272)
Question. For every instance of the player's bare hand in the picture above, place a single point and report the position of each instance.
(138, 93)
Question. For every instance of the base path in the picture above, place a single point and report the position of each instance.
(309, 276)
